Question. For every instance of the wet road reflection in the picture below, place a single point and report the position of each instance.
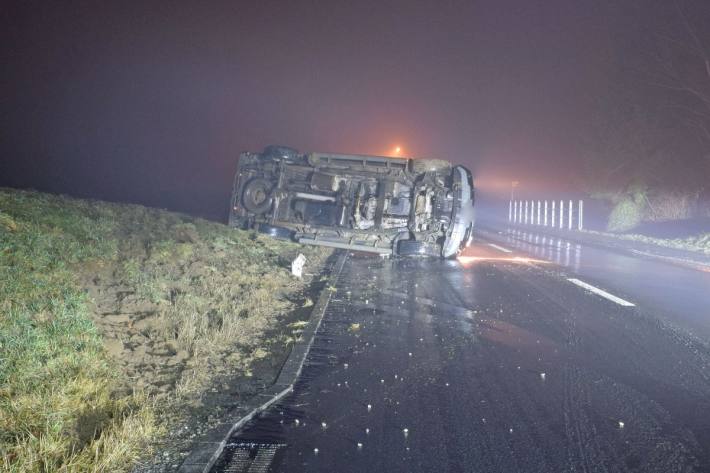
(680, 295)
(497, 366)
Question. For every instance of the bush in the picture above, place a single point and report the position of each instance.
(626, 215)
(670, 206)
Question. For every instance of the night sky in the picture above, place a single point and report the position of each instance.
(152, 102)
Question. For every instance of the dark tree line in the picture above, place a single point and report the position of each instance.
(650, 135)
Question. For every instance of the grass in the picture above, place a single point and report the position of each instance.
(209, 295)
(55, 382)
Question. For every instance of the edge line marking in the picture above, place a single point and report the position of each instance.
(500, 248)
(601, 292)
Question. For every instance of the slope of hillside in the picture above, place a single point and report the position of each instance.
(115, 319)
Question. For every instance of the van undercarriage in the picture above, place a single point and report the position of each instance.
(363, 203)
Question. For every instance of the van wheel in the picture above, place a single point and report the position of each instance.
(280, 153)
(256, 197)
(438, 166)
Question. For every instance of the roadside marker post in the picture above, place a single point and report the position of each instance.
(510, 211)
(538, 212)
(545, 213)
(511, 205)
(562, 214)
(517, 211)
(520, 212)
(532, 212)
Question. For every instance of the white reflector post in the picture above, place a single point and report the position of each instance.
(545, 213)
(571, 208)
(518, 210)
(510, 211)
(538, 212)
(580, 216)
(562, 214)
(552, 220)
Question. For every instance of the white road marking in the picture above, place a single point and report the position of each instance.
(499, 248)
(601, 292)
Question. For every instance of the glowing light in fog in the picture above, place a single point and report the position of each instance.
(397, 150)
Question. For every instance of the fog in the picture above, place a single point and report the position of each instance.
(152, 103)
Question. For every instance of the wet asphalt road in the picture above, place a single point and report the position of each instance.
(680, 295)
(488, 364)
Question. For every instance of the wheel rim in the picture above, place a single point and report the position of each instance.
(257, 196)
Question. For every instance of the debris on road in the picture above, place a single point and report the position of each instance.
(297, 265)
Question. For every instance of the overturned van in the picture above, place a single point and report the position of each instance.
(390, 206)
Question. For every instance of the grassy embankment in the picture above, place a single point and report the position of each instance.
(106, 308)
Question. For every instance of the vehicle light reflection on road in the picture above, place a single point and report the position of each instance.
(467, 261)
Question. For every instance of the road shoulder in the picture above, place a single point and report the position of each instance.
(688, 259)
(208, 447)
